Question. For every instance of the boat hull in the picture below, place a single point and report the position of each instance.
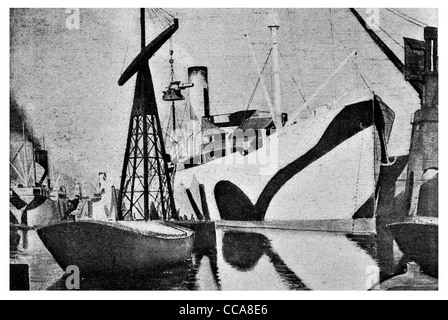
(41, 211)
(325, 169)
(419, 241)
(101, 247)
(412, 280)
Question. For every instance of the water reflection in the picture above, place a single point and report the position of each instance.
(383, 249)
(173, 278)
(43, 270)
(243, 251)
(261, 259)
(392, 207)
(291, 260)
(205, 273)
(14, 239)
(191, 275)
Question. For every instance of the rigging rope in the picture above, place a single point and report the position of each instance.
(291, 32)
(358, 178)
(391, 37)
(410, 17)
(157, 16)
(407, 18)
(163, 16)
(124, 61)
(126, 52)
(297, 85)
(256, 86)
(169, 14)
(300, 91)
(333, 90)
(267, 97)
(354, 63)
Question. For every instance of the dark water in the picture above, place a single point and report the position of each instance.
(242, 260)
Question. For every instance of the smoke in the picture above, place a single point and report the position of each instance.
(19, 124)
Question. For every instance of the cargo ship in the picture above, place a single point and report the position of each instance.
(319, 172)
(35, 203)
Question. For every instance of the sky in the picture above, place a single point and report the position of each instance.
(64, 81)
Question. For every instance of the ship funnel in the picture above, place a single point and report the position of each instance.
(199, 96)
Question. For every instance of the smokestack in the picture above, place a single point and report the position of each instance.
(41, 157)
(199, 95)
(18, 122)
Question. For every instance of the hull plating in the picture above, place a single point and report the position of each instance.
(100, 247)
(325, 168)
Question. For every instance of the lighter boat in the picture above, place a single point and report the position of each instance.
(418, 239)
(131, 247)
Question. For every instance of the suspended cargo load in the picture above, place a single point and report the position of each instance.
(174, 91)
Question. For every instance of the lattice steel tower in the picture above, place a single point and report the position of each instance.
(145, 180)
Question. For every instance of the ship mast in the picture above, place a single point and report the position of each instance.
(143, 28)
(26, 157)
(276, 62)
(34, 161)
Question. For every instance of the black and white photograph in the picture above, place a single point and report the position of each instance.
(223, 149)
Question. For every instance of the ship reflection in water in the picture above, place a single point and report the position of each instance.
(240, 260)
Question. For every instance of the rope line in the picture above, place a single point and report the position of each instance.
(333, 58)
(355, 200)
(256, 86)
(124, 61)
(156, 16)
(404, 14)
(295, 82)
(351, 59)
(266, 93)
(300, 91)
(391, 37)
(166, 12)
(407, 18)
(162, 15)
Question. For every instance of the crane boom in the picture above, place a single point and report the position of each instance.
(386, 50)
(148, 52)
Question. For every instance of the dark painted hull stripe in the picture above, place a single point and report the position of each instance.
(349, 122)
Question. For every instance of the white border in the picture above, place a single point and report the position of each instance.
(224, 295)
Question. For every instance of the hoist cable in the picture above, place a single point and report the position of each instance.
(354, 63)
(407, 18)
